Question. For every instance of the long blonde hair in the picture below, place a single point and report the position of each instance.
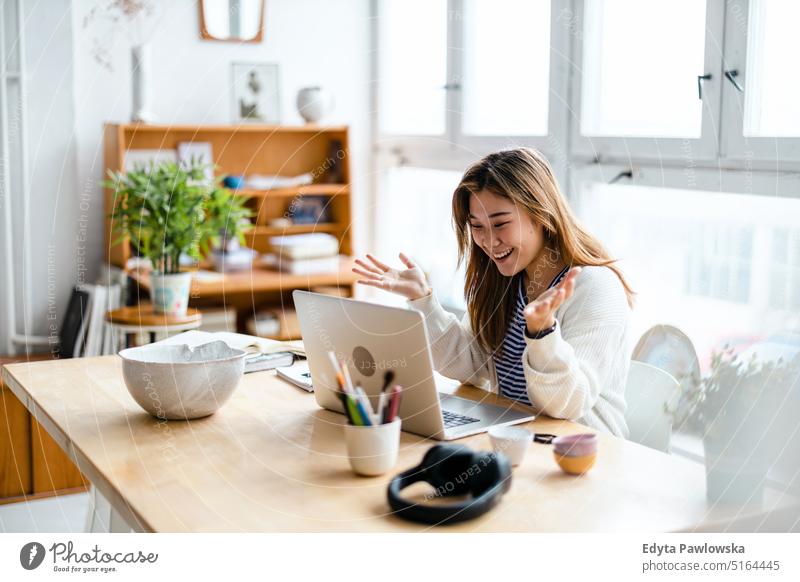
(524, 176)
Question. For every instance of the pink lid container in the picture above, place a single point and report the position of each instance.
(576, 445)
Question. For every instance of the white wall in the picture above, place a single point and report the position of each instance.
(315, 42)
(50, 265)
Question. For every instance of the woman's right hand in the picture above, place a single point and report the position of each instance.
(410, 282)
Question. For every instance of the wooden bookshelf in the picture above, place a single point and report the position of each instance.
(244, 150)
(247, 150)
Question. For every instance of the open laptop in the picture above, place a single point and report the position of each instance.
(373, 338)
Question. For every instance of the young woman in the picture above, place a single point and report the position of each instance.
(547, 309)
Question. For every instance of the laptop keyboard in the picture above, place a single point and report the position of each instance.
(452, 420)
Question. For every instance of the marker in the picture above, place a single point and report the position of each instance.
(381, 414)
(355, 415)
(388, 378)
(394, 402)
(343, 399)
(367, 421)
(347, 379)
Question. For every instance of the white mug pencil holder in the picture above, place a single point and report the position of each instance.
(372, 450)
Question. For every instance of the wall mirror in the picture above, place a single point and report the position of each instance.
(232, 20)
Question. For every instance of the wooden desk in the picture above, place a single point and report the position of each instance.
(271, 460)
(32, 466)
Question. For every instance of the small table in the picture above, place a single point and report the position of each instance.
(142, 318)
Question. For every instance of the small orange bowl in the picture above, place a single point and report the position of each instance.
(575, 465)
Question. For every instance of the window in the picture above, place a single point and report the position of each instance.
(760, 116)
(720, 277)
(773, 88)
(465, 77)
(640, 73)
(456, 80)
(785, 270)
(414, 216)
(719, 261)
(413, 67)
(506, 67)
(639, 80)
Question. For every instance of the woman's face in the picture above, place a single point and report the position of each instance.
(504, 231)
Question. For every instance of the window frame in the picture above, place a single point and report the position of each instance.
(653, 149)
(783, 184)
(453, 148)
(734, 145)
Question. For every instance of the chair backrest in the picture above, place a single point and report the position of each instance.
(648, 392)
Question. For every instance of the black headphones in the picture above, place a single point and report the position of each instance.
(453, 470)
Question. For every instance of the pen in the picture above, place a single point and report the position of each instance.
(388, 378)
(367, 421)
(365, 403)
(334, 361)
(381, 414)
(347, 379)
(352, 408)
(340, 379)
(345, 407)
(394, 402)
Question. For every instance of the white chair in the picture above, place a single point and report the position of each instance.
(649, 392)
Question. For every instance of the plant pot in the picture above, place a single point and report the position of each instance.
(170, 293)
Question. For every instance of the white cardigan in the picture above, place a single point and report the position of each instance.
(578, 372)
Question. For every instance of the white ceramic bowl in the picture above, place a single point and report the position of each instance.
(512, 441)
(176, 382)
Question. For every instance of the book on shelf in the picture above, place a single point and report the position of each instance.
(94, 337)
(74, 320)
(259, 182)
(305, 246)
(309, 266)
(312, 266)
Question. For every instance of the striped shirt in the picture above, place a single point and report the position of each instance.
(508, 365)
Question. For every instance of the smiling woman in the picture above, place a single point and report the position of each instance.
(547, 310)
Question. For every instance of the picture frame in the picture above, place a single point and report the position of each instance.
(255, 93)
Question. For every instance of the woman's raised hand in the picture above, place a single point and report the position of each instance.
(409, 282)
(539, 314)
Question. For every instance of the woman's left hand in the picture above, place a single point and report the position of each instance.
(539, 314)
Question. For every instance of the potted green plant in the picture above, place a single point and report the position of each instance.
(737, 407)
(228, 219)
(168, 210)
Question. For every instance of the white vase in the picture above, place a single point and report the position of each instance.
(313, 103)
(141, 85)
(170, 293)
